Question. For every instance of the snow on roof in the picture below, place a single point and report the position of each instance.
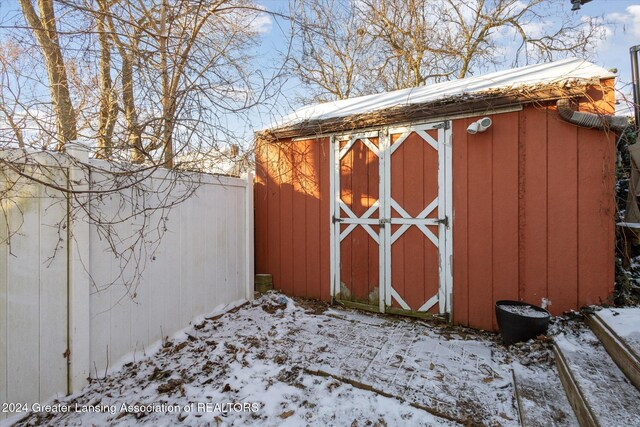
(562, 71)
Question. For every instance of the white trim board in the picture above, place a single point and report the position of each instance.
(341, 214)
(416, 123)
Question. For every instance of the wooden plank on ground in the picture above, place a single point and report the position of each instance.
(599, 392)
(542, 401)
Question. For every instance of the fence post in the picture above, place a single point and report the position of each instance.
(249, 237)
(79, 275)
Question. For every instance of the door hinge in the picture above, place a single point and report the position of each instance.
(336, 219)
(444, 221)
(444, 125)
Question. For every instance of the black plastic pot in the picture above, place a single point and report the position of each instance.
(516, 327)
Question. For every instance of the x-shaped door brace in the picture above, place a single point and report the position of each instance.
(365, 220)
(406, 221)
(366, 141)
(424, 135)
(419, 221)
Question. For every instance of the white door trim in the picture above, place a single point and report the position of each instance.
(385, 238)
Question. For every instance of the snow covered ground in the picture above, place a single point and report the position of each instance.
(624, 322)
(280, 362)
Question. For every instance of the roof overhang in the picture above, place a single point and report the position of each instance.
(479, 102)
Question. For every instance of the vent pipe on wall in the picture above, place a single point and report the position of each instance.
(590, 120)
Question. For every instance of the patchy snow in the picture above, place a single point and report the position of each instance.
(524, 310)
(563, 71)
(541, 397)
(625, 322)
(613, 400)
(276, 362)
(179, 335)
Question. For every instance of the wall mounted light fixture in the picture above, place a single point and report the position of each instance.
(479, 126)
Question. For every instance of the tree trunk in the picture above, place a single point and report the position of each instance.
(108, 101)
(130, 113)
(14, 126)
(167, 113)
(128, 99)
(45, 31)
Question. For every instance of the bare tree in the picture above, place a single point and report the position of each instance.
(417, 42)
(542, 30)
(9, 56)
(43, 25)
(179, 72)
(108, 96)
(334, 51)
(405, 31)
(127, 50)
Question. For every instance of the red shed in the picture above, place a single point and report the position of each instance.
(407, 202)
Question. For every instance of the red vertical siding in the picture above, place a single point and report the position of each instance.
(596, 232)
(562, 215)
(261, 201)
(312, 225)
(300, 220)
(460, 222)
(539, 224)
(292, 216)
(480, 229)
(274, 179)
(505, 209)
(286, 283)
(533, 207)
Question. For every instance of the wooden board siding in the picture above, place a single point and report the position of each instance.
(414, 186)
(292, 216)
(562, 217)
(533, 215)
(533, 202)
(359, 253)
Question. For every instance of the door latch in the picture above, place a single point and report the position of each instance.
(384, 221)
(444, 221)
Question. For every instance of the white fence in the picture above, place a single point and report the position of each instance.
(70, 308)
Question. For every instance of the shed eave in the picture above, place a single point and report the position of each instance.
(465, 104)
